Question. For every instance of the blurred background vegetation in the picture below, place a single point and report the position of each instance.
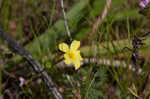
(39, 26)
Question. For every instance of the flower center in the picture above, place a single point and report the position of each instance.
(71, 54)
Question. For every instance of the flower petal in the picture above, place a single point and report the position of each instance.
(67, 59)
(77, 62)
(63, 47)
(143, 3)
(75, 45)
(77, 65)
(78, 55)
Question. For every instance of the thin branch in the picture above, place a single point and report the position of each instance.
(65, 20)
(17, 48)
(108, 62)
(100, 18)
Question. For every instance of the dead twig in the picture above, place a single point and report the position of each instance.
(17, 48)
(100, 18)
(98, 61)
(65, 20)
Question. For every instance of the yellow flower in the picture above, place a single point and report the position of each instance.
(72, 54)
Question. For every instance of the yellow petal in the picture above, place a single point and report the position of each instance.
(76, 62)
(75, 45)
(63, 47)
(77, 65)
(67, 59)
(78, 55)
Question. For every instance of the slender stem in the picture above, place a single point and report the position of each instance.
(65, 20)
(100, 18)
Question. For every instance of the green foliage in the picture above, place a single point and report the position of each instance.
(92, 81)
